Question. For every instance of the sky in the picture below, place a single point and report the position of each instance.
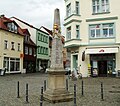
(35, 12)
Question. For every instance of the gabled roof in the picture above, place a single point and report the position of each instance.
(26, 32)
(28, 24)
(30, 42)
(51, 33)
(3, 24)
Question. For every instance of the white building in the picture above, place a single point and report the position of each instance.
(93, 30)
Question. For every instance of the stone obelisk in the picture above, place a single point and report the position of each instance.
(56, 88)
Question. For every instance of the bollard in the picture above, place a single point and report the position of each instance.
(18, 95)
(44, 85)
(41, 97)
(26, 93)
(102, 91)
(75, 95)
(67, 84)
(82, 88)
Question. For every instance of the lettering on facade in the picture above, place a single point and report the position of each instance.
(101, 50)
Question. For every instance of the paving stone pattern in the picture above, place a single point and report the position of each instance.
(92, 96)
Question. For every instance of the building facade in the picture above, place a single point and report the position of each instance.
(93, 36)
(41, 39)
(29, 61)
(11, 49)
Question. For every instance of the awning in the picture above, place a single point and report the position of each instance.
(101, 50)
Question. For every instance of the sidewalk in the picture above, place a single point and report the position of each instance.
(92, 96)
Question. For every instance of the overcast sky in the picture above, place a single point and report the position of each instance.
(35, 12)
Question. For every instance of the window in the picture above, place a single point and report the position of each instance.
(68, 10)
(41, 50)
(41, 37)
(12, 46)
(27, 38)
(5, 44)
(95, 31)
(12, 27)
(18, 46)
(14, 64)
(102, 30)
(26, 50)
(30, 51)
(100, 6)
(108, 30)
(77, 7)
(96, 6)
(77, 31)
(46, 51)
(34, 50)
(68, 33)
(105, 6)
(6, 63)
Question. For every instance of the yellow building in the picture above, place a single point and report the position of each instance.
(11, 46)
(93, 36)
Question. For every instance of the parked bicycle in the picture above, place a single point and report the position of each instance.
(75, 74)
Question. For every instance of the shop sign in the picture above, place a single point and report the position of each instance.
(101, 50)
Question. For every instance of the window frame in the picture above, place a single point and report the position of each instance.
(95, 29)
(77, 7)
(68, 10)
(100, 5)
(12, 45)
(12, 27)
(102, 29)
(19, 47)
(68, 33)
(26, 50)
(30, 51)
(5, 44)
(78, 32)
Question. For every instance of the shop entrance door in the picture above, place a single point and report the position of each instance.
(102, 66)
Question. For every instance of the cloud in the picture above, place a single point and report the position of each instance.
(35, 12)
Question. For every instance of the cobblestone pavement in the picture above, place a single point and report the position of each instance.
(92, 96)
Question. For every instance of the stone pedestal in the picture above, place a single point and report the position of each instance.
(56, 88)
(56, 91)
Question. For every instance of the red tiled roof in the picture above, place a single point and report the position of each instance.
(4, 20)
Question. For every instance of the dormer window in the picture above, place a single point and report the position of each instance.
(12, 27)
